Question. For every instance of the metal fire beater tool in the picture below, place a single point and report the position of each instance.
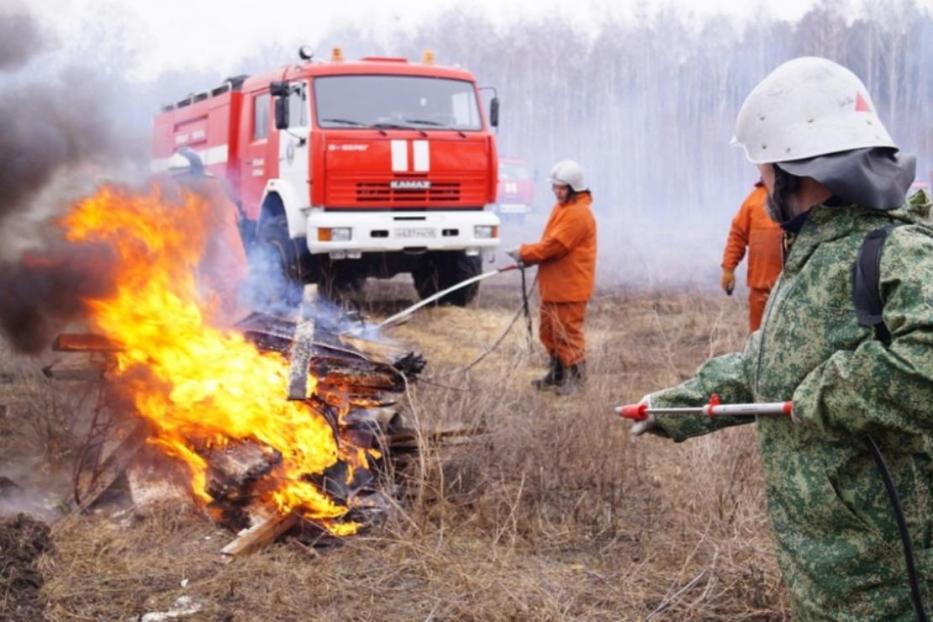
(640, 412)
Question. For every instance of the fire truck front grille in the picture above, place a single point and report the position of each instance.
(382, 192)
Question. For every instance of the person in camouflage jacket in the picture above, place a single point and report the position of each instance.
(837, 541)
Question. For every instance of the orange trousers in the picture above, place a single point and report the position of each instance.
(757, 298)
(561, 331)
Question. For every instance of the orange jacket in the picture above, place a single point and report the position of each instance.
(566, 252)
(752, 227)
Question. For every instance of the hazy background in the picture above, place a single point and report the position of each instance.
(642, 94)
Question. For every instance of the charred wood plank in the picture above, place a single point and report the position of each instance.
(84, 342)
(402, 359)
(266, 324)
(235, 468)
(354, 373)
(279, 334)
(82, 368)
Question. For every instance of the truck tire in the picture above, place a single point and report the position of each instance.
(441, 270)
(276, 264)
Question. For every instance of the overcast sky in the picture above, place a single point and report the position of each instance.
(175, 34)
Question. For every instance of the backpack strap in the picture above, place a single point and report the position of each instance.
(866, 283)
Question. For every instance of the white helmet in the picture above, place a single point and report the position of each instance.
(568, 173)
(808, 107)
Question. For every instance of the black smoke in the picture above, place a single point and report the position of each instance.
(42, 293)
(48, 123)
(20, 39)
(54, 133)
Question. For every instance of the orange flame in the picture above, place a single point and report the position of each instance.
(197, 384)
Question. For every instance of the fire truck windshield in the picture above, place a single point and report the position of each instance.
(392, 101)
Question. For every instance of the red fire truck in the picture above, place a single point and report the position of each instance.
(344, 170)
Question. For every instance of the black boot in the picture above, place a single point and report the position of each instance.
(574, 378)
(553, 377)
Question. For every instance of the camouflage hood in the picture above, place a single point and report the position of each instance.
(877, 178)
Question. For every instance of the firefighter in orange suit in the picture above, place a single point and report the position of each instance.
(753, 228)
(566, 260)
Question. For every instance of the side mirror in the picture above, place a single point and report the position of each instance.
(494, 112)
(278, 89)
(281, 112)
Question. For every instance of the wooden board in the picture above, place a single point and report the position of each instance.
(300, 359)
(80, 366)
(84, 342)
(263, 532)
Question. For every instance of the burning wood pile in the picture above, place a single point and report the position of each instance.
(356, 387)
(276, 424)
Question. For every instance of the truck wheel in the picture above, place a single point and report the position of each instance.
(276, 263)
(441, 270)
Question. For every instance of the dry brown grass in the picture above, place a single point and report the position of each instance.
(553, 515)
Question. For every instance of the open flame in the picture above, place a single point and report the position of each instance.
(200, 386)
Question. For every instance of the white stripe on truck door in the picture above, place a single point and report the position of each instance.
(399, 156)
(422, 155)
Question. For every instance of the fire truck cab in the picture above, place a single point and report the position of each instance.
(344, 170)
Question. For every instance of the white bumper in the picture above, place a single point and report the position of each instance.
(399, 231)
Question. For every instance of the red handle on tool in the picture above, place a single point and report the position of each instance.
(635, 412)
(713, 401)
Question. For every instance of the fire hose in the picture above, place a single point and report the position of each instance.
(524, 308)
(495, 344)
(642, 411)
(434, 297)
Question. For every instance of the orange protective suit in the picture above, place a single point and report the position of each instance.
(561, 331)
(754, 229)
(566, 259)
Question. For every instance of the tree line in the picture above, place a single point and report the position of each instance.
(648, 105)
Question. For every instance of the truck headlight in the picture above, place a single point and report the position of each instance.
(334, 234)
(485, 232)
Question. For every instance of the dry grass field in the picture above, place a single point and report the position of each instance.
(554, 514)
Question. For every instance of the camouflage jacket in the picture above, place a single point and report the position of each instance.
(836, 537)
